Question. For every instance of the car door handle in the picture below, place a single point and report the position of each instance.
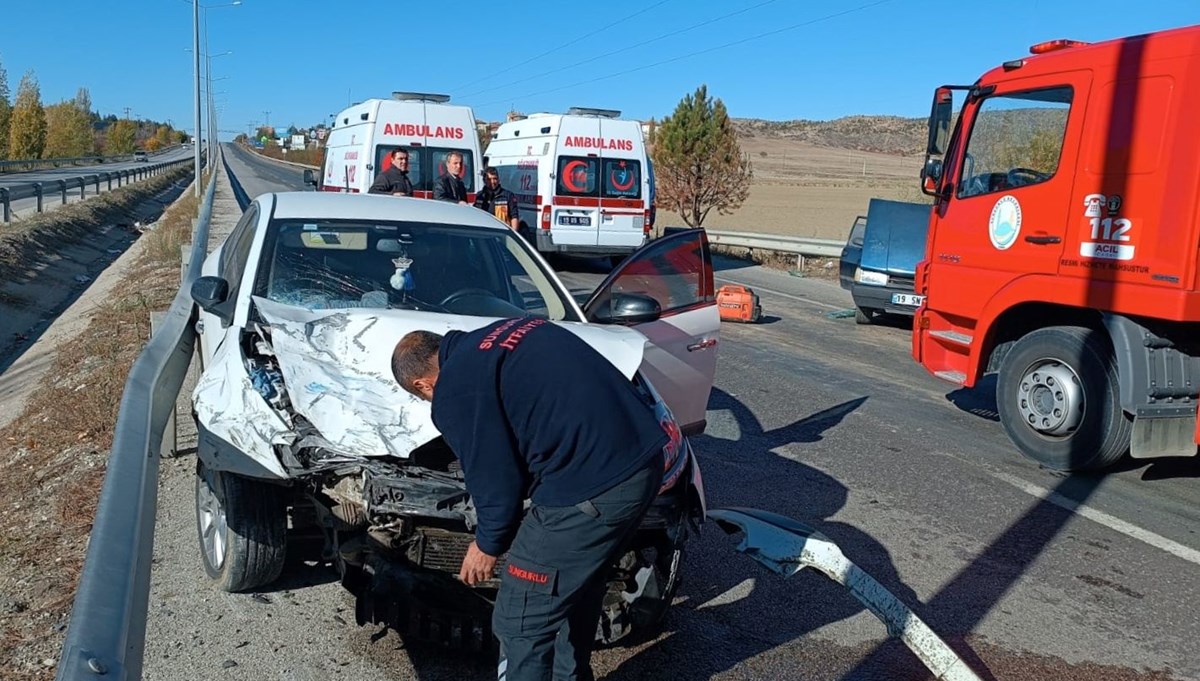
(1043, 239)
(706, 343)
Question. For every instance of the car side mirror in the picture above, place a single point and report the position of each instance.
(628, 309)
(210, 293)
(309, 178)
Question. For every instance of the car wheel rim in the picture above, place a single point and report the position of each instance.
(213, 525)
(1050, 398)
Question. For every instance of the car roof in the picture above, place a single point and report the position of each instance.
(345, 206)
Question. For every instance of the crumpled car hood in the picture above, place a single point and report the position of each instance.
(336, 367)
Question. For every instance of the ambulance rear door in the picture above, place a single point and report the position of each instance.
(623, 188)
(575, 216)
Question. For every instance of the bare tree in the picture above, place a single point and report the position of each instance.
(5, 113)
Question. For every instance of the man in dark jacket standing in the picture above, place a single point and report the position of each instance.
(449, 187)
(497, 200)
(532, 411)
(394, 180)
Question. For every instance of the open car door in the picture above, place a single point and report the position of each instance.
(665, 290)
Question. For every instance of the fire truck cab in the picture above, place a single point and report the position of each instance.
(1062, 247)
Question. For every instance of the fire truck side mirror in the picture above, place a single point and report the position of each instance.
(931, 176)
(939, 121)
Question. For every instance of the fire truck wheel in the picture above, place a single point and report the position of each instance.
(1059, 399)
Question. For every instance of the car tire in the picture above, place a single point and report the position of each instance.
(1058, 395)
(864, 315)
(639, 620)
(242, 527)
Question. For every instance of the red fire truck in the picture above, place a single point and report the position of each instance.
(1063, 246)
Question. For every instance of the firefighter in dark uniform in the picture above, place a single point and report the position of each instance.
(449, 187)
(497, 200)
(532, 411)
(394, 180)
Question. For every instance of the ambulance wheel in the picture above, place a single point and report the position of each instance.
(864, 315)
(1059, 399)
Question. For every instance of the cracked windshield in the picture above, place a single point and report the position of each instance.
(410, 266)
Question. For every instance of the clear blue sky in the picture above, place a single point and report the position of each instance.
(304, 60)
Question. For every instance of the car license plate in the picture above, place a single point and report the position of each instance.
(910, 299)
(575, 220)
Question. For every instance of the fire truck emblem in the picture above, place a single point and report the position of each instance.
(1005, 223)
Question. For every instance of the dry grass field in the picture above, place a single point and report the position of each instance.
(804, 188)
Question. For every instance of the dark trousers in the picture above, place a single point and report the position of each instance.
(552, 591)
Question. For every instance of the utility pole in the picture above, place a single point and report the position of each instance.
(196, 82)
(267, 118)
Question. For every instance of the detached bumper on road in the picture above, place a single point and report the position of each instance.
(786, 546)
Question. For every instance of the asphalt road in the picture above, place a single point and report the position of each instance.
(1027, 573)
(52, 198)
(52, 174)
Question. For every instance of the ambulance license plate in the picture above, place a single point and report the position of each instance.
(909, 299)
(575, 220)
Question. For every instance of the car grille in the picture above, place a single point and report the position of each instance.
(902, 281)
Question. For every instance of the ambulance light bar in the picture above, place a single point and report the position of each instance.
(585, 111)
(420, 97)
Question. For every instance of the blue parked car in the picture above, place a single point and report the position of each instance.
(880, 258)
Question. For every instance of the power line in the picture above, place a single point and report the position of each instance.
(623, 49)
(566, 44)
(699, 52)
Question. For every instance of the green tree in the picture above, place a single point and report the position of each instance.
(5, 112)
(69, 128)
(163, 136)
(698, 165)
(120, 138)
(27, 129)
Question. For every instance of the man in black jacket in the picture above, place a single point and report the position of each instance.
(497, 200)
(449, 187)
(532, 411)
(394, 180)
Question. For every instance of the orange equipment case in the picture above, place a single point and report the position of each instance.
(738, 303)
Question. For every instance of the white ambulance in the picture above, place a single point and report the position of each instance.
(582, 180)
(363, 137)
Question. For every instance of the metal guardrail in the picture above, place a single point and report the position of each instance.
(39, 163)
(824, 248)
(60, 188)
(107, 632)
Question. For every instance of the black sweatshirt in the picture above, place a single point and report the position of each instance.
(531, 410)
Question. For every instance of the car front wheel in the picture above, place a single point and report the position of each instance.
(242, 527)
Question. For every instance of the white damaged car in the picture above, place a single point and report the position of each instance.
(302, 428)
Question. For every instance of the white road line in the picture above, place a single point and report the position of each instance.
(802, 299)
(1116, 524)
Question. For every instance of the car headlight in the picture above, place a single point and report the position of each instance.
(868, 277)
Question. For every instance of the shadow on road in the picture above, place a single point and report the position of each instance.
(733, 610)
(979, 401)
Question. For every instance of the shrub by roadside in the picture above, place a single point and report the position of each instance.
(53, 457)
(311, 157)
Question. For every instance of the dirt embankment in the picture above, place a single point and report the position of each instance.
(53, 454)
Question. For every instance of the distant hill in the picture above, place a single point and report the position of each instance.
(879, 134)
